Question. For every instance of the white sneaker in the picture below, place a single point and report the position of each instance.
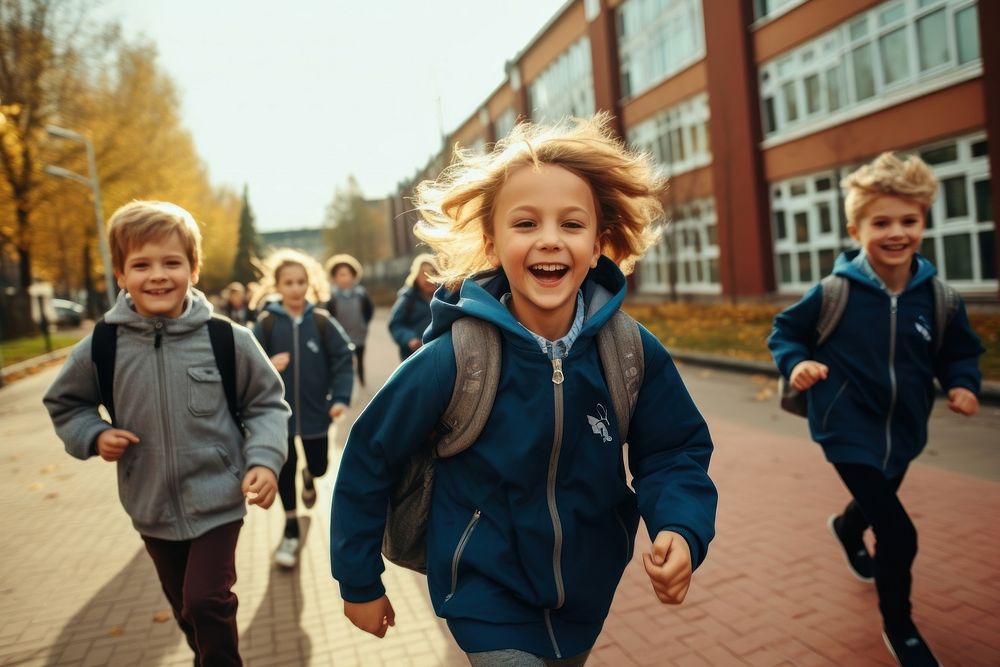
(287, 554)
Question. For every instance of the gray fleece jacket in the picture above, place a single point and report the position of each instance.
(184, 476)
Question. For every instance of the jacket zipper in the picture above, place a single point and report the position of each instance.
(557, 381)
(892, 380)
(295, 377)
(171, 468)
(462, 541)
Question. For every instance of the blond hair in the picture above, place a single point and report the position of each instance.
(457, 208)
(270, 270)
(888, 176)
(140, 222)
(343, 259)
(417, 264)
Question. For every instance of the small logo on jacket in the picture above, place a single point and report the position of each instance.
(313, 345)
(600, 424)
(923, 328)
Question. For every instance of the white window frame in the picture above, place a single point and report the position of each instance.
(687, 120)
(646, 30)
(686, 240)
(565, 87)
(782, 8)
(832, 51)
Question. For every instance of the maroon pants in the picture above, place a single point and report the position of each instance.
(197, 577)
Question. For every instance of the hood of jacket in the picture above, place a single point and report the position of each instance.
(852, 264)
(603, 292)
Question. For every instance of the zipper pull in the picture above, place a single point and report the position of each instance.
(158, 327)
(893, 302)
(557, 374)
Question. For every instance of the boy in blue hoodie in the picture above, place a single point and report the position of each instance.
(185, 468)
(870, 385)
(531, 528)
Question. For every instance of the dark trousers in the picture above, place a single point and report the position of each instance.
(876, 504)
(359, 355)
(316, 450)
(197, 577)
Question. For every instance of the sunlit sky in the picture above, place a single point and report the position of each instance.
(291, 98)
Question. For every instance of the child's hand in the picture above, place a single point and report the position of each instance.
(373, 617)
(962, 401)
(413, 343)
(669, 567)
(260, 486)
(337, 409)
(280, 361)
(807, 373)
(113, 442)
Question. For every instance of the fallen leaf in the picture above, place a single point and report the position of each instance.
(51, 495)
(116, 631)
(35, 486)
(764, 394)
(162, 616)
(47, 469)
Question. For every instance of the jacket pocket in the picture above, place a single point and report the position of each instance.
(210, 480)
(459, 548)
(205, 394)
(142, 489)
(829, 408)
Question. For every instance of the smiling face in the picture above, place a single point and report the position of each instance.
(889, 230)
(157, 276)
(545, 236)
(292, 283)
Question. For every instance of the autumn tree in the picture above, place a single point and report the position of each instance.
(355, 225)
(247, 243)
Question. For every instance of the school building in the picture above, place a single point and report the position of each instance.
(756, 109)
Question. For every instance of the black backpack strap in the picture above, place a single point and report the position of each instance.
(220, 333)
(835, 292)
(266, 322)
(103, 346)
(322, 319)
(945, 305)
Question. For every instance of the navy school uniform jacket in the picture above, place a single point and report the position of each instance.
(530, 528)
(874, 405)
(317, 376)
(409, 318)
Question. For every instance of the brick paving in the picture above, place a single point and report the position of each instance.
(77, 588)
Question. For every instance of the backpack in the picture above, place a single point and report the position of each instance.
(320, 316)
(477, 357)
(104, 345)
(836, 290)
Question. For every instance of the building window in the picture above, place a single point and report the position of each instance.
(896, 46)
(566, 87)
(678, 137)
(960, 225)
(504, 124)
(686, 259)
(770, 8)
(657, 38)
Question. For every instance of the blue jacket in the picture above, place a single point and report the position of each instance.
(874, 405)
(318, 374)
(531, 528)
(410, 317)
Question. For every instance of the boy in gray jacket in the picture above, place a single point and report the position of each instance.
(184, 464)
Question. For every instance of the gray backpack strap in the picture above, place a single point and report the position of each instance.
(945, 305)
(477, 360)
(620, 345)
(835, 292)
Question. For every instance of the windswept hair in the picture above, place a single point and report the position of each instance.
(141, 221)
(887, 175)
(458, 207)
(270, 270)
(343, 259)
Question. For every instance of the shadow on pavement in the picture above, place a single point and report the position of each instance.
(271, 631)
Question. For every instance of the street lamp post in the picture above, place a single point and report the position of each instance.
(95, 188)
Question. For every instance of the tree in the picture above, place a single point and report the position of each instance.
(247, 245)
(355, 225)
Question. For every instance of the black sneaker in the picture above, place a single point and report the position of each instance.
(308, 490)
(859, 561)
(909, 649)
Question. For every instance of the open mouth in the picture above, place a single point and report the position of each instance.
(159, 292)
(548, 273)
(895, 247)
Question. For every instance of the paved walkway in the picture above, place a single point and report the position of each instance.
(76, 587)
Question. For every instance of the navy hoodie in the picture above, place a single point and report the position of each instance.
(409, 318)
(531, 528)
(874, 405)
(319, 373)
